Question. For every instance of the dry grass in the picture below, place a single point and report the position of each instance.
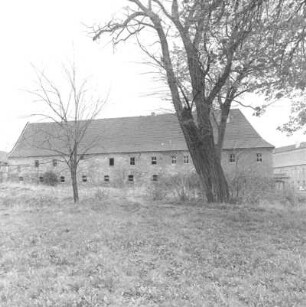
(117, 249)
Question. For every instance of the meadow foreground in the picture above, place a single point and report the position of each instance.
(118, 248)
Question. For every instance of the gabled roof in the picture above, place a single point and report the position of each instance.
(133, 134)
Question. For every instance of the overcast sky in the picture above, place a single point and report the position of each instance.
(46, 34)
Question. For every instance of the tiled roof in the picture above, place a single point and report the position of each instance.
(134, 134)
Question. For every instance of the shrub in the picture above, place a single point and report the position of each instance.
(249, 188)
(50, 178)
(181, 187)
(101, 194)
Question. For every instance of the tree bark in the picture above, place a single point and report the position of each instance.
(75, 189)
(202, 149)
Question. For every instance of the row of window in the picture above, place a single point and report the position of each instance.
(84, 178)
(153, 160)
(132, 161)
(232, 157)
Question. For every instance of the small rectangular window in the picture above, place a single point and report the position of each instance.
(186, 159)
(84, 178)
(62, 179)
(41, 179)
(173, 159)
(20, 179)
(82, 157)
(154, 178)
(54, 162)
(132, 160)
(106, 178)
(232, 157)
(259, 157)
(153, 160)
(131, 178)
(36, 163)
(111, 161)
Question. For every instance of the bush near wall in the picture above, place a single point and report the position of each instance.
(180, 187)
(250, 188)
(50, 178)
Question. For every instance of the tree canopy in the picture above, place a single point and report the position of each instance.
(211, 52)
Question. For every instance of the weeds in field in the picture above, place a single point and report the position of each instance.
(132, 253)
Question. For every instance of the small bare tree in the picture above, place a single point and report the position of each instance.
(71, 111)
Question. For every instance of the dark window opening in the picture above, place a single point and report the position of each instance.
(186, 159)
(173, 159)
(20, 178)
(153, 160)
(36, 163)
(82, 157)
(62, 179)
(132, 160)
(106, 178)
(41, 179)
(84, 178)
(54, 162)
(111, 161)
(131, 178)
(259, 157)
(154, 178)
(232, 158)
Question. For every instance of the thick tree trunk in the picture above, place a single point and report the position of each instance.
(207, 164)
(74, 184)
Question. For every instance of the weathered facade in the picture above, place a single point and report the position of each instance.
(3, 166)
(289, 164)
(136, 150)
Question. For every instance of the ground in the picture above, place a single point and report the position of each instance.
(119, 248)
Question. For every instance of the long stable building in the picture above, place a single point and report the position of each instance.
(133, 149)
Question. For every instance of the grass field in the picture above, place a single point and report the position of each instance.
(117, 248)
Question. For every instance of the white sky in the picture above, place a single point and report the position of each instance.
(47, 34)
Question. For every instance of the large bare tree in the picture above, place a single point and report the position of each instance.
(211, 52)
(71, 110)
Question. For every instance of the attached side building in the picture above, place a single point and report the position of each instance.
(289, 163)
(134, 149)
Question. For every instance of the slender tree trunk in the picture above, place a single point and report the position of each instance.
(207, 164)
(74, 184)
(224, 114)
